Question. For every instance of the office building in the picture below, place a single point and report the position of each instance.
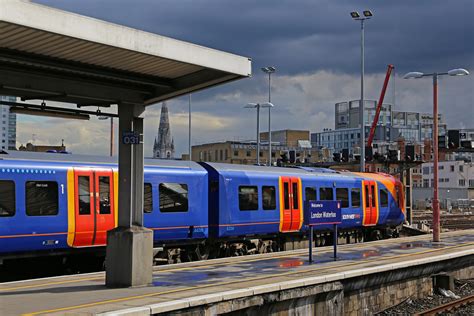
(7, 125)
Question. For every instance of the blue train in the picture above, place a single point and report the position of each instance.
(58, 204)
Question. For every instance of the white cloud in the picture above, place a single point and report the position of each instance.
(304, 101)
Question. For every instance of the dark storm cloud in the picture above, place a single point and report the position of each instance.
(315, 46)
(306, 36)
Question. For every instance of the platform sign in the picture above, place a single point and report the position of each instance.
(323, 213)
(130, 138)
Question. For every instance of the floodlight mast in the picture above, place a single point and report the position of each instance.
(258, 106)
(269, 70)
(357, 17)
(435, 201)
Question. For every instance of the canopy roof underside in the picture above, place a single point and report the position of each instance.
(50, 54)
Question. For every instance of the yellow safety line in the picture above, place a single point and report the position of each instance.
(210, 264)
(242, 281)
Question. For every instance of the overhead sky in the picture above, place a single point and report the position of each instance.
(315, 46)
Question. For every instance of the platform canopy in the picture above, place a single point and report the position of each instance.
(50, 54)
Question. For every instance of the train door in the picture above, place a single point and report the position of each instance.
(290, 204)
(94, 206)
(370, 203)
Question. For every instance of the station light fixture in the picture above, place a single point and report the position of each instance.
(458, 72)
(355, 15)
(413, 75)
(368, 13)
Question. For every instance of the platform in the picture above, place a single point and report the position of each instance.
(181, 286)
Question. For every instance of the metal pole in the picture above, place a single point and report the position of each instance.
(310, 243)
(436, 217)
(189, 129)
(335, 242)
(362, 105)
(111, 136)
(258, 134)
(269, 122)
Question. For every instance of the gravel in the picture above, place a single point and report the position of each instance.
(411, 306)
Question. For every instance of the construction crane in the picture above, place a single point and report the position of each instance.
(379, 106)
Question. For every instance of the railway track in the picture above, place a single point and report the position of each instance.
(448, 307)
(448, 221)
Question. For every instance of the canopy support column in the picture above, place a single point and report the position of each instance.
(130, 246)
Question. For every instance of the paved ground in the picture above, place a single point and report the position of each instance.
(234, 276)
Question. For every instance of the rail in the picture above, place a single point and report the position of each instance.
(448, 306)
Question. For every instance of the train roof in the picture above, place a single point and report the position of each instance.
(95, 160)
(223, 167)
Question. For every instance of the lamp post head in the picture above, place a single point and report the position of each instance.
(251, 105)
(413, 75)
(458, 72)
(368, 14)
(267, 105)
(355, 15)
(269, 69)
(259, 105)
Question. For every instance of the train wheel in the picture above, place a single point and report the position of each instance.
(202, 252)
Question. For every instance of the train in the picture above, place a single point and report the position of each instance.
(64, 204)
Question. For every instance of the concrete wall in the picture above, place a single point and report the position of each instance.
(364, 295)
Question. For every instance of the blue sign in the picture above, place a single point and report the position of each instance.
(130, 138)
(323, 212)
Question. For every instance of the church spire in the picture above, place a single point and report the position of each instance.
(164, 145)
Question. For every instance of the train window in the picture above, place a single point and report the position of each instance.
(173, 197)
(295, 195)
(383, 198)
(286, 195)
(84, 195)
(269, 197)
(373, 195)
(104, 195)
(248, 198)
(367, 203)
(41, 198)
(147, 198)
(355, 197)
(326, 194)
(342, 194)
(310, 194)
(7, 198)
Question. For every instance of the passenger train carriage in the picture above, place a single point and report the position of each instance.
(64, 204)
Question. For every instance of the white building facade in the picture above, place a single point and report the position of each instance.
(456, 185)
(7, 125)
(451, 174)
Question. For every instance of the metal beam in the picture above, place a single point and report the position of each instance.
(28, 83)
(53, 109)
(54, 64)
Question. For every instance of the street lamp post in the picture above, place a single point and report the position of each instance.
(435, 202)
(269, 70)
(258, 106)
(356, 16)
